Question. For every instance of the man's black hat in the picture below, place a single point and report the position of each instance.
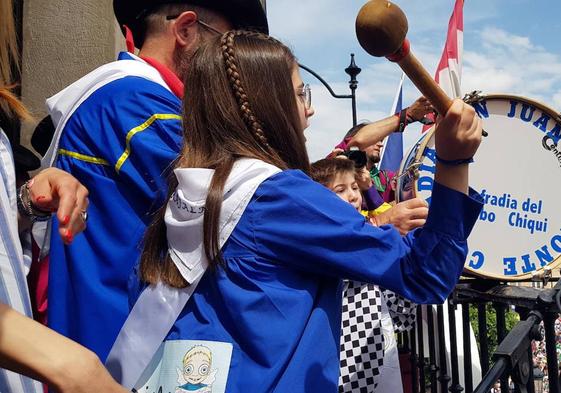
(243, 14)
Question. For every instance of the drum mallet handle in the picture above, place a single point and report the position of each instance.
(381, 29)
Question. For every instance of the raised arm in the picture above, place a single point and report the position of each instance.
(457, 138)
(375, 132)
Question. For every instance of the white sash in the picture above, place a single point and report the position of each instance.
(62, 105)
(143, 332)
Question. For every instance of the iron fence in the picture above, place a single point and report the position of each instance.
(441, 356)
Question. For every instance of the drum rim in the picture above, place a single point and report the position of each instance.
(423, 144)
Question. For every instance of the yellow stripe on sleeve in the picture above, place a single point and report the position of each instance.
(83, 157)
(158, 116)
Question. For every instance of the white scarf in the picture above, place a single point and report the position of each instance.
(142, 334)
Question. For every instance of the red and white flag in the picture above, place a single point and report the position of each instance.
(449, 71)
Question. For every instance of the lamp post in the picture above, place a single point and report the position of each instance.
(352, 70)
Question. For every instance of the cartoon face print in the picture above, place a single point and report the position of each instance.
(196, 374)
(197, 367)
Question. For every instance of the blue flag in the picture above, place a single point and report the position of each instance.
(392, 154)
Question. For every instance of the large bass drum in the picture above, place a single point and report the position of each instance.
(518, 171)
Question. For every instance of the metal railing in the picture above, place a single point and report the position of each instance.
(512, 361)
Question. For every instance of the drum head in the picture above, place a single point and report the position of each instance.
(517, 169)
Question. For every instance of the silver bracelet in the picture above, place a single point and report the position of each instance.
(26, 208)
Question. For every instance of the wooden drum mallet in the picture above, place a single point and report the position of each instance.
(381, 29)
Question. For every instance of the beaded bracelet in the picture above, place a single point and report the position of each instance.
(460, 161)
(26, 208)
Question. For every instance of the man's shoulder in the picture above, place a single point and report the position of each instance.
(122, 105)
(116, 85)
(132, 89)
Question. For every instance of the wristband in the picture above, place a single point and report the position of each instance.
(461, 161)
(410, 118)
(402, 121)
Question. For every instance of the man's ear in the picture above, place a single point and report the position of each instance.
(184, 28)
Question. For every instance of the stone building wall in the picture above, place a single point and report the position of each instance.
(62, 41)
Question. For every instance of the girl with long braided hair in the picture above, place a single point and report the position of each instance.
(247, 257)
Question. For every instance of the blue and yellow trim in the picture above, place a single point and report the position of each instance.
(158, 116)
(83, 157)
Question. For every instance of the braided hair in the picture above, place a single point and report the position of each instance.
(227, 46)
(239, 102)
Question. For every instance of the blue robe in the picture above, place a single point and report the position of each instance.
(278, 300)
(119, 143)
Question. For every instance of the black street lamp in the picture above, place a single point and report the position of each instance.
(352, 70)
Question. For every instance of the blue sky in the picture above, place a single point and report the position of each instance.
(510, 46)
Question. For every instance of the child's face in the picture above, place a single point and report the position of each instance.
(345, 186)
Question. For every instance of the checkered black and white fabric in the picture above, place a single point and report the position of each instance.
(402, 311)
(362, 339)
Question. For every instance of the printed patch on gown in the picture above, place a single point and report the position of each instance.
(182, 366)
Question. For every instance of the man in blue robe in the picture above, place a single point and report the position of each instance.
(118, 129)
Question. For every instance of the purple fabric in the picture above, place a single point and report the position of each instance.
(371, 199)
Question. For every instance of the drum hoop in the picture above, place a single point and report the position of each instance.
(419, 155)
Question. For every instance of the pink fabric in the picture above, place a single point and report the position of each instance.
(343, 144)
(38, 282)
(129, 40)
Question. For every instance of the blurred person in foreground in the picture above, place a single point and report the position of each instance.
(26, 346)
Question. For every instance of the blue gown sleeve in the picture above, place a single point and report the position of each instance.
(301, 224)
(119, 143)
(132, 125)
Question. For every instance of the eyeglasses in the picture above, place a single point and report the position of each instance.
(305, 94)
(205, 25)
